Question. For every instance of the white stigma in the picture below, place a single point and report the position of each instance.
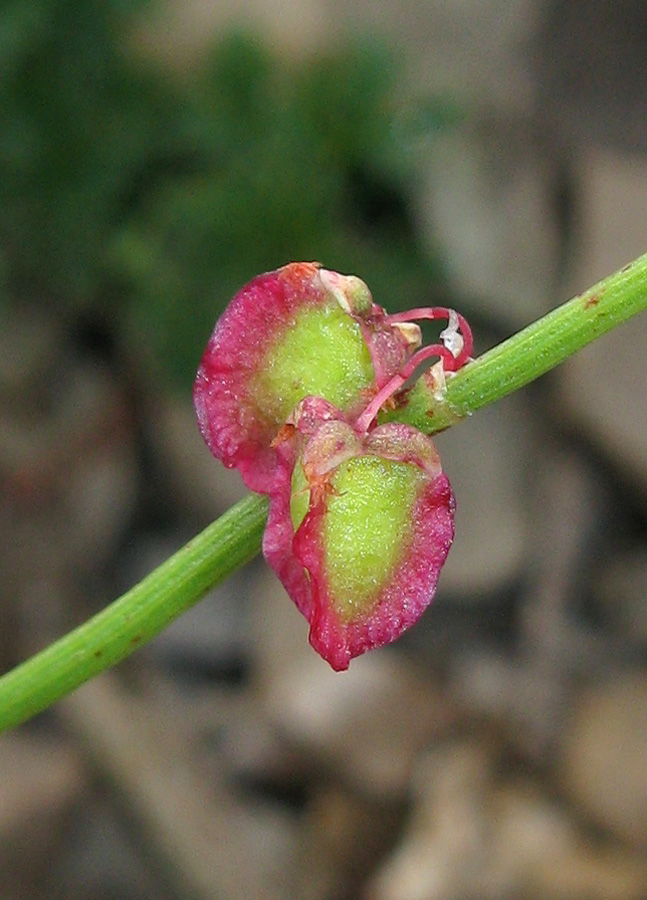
(451, 336)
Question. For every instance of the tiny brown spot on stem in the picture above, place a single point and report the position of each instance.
(98, 654)
(593, 300)
(136, 639)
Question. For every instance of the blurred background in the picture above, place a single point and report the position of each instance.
(486, 154)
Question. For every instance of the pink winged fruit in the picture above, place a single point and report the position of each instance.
(289, 391)
(358, 530)
(301, 330)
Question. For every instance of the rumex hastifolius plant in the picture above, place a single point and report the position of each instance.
(289, 392)
(321, 427)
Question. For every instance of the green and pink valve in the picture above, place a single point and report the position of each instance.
(289, 391)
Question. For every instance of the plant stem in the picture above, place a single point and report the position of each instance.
(534, 351)
(139, 615)
(235, 538)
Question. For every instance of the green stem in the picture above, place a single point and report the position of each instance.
(139, 615)
(534, 351)
(235, 538)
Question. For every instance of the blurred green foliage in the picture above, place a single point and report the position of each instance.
(154, 196)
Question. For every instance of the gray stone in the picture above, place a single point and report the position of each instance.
(604, 387)
(472, 50)
(41, 781)
(590, 63)
(603, 763)
(200, 482)
(604, 390)
(343, 835)
(474, 835)
(446, 825)
(620, 591)
(366, 724)
(206, 839)
(488, 201)
(488, 459)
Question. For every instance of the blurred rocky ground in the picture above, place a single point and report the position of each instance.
(500, 749)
